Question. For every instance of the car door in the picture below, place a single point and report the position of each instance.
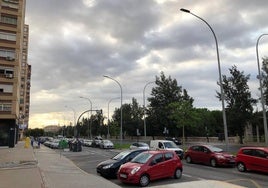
(157, 167)
(203, 155)
(260, 161)
(170, 164)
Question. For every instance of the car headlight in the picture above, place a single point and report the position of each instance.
(107, 166)
(134, 170)
(220, 156)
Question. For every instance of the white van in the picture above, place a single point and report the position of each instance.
(167, 145)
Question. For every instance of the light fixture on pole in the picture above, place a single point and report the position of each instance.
(121, 121)
(108, 126)
(261, 87)
(144, 111)
(220, 77)
(89, 129)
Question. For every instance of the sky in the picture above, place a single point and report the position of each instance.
(73, 44)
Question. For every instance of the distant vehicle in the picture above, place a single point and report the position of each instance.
(106, 144)
(167, 145)
(211, 155)
(96, 142)
(87, 142)
(139, 145)
(149, 166)
(252, 158)
(110, 167)
(175, 140)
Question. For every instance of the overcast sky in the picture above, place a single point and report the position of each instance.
(73, 43)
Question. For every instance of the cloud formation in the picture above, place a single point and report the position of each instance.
(73, 44)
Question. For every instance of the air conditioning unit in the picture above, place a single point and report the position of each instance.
(10, 58)
(9, 75)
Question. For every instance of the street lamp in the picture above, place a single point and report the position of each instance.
(121, 121)
(108, 115)
(262, 98)
(220, 77)
(89, 129)
(144, 111)
(74, 118)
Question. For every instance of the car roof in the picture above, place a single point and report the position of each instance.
(255, 147)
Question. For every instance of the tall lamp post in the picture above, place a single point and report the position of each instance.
(89, 129)
(108, 127)
(220, 77)
(261, 87)
(121, 121)
(144, 111)
(74, 118)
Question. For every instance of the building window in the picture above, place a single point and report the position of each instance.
(6, 88)
(7, 36)
(5, 107)
(9, 20)
(10, 4)
(7, 54)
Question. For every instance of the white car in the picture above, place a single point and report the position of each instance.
(87, 142)
(139, 145)
(106, 144)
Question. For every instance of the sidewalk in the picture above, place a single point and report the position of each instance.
(43, 168)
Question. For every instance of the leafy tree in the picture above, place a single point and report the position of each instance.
(132, 117)
(165, 93)
(239, 101)
(264, 75)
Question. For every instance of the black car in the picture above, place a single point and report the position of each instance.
(110, 167)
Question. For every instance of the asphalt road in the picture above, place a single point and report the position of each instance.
(88, 159)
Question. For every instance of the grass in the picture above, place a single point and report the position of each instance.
(123, 146)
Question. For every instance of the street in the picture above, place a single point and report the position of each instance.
(88, 159)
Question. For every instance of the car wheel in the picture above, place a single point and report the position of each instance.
(213, 162)
(241, 167)
(144, 180)
(188, 159)
(177, 173)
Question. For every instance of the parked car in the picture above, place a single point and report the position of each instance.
(139, 145)
(210, 155)
(149, 166)
(252, 158)
(96, 142)
(167, 145)
(110, 167)
(106, 144)
(175, 140)
(87, 142)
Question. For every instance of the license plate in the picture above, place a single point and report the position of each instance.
(123, 175)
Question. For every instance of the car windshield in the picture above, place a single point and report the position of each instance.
(170, 145)
(215, 149)
(142, 158)
(107, 141)
(142, 144)
(121, 155)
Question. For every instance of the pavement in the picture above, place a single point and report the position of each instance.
(42, 167)
(27, 167)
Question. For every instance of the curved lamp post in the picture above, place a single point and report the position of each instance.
(89, 129)
(144, 111)
(262, 98)
(108, 127)
(121, 121)
(220, 77)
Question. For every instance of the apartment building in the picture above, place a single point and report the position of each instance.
(15, 73)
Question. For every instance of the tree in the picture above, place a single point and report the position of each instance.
(239, 101)
(264, 75)
(132, 120)
(166, 92)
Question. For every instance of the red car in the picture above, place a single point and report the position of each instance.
(210, 155)
(149, 166)
(252, 158)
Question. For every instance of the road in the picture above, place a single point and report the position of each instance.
(88, 159)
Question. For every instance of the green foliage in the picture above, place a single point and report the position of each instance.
(239, 101)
